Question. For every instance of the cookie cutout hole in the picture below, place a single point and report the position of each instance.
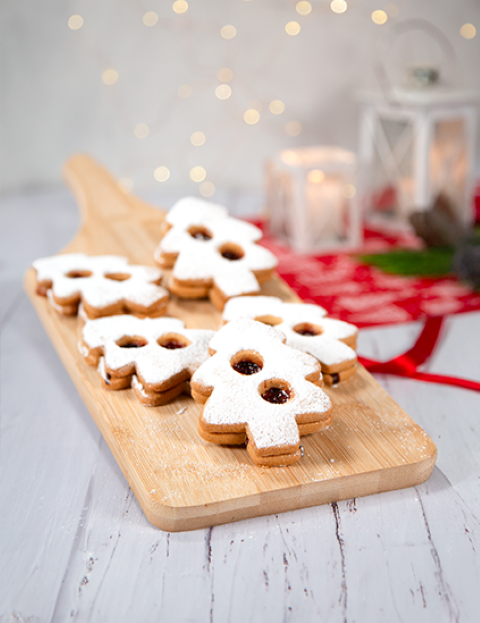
(308, 329)
(276, 392)
(173, 341)
(270, 320)
(200, 233)
(131, 341)
(79, 274)
(117, 276)
(247, 362)
(231, 251)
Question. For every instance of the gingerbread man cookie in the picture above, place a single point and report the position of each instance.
(155, 356)
(332, 342)
(211, 253)
(106, 284)
(257, 389)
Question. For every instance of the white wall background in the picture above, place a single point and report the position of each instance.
(54, 103)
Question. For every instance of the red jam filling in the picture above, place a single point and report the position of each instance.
(306, 332)
(173, 345)
(276, 395)
(247, 367)
(132, 342)
(231, 255)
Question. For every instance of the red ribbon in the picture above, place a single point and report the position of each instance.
(406, 365)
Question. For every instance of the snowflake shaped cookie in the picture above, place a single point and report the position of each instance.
(211, 253)
(105, 284)
(257, 388)
(332, 342)
(155, 356)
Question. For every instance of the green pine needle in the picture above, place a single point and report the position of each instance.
(435, 262)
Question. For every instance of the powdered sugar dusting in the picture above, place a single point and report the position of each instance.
(236, 398)
(101, 369)
(82, 349)
(97, 290)
(154, 364)
(138, 386)
(326, 346)
(188, 210)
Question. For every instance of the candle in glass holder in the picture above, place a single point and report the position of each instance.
(311, 199)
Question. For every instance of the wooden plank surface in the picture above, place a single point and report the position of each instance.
(183, 482)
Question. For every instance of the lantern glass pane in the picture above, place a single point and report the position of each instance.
(392, 179)
(449, 163)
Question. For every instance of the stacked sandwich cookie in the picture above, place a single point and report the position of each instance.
(154, 356)
(106, 285)
(255, 389)
(211, 254)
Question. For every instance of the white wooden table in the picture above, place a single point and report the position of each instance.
(75, 545)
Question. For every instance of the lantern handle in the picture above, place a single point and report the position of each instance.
(385, 44)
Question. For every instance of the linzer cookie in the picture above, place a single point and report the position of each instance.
(154, 356)
(105, 284)
(332, 342)
(211, 254)
(256, 389)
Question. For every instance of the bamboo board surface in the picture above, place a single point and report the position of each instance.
(181, 481)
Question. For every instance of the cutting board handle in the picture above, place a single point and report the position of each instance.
(98, 194)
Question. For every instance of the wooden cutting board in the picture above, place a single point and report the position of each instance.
(181, 481)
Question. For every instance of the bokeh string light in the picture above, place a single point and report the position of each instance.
(161, 173)
(180, 6)
(223, 91)
(110, 76)
(468, 31)
(228, 31)
(206, 188)
(251, 116)
(349, 191)
(277, 107)
(198, 174)
(292, 28)
(141, 130)
(379, 17)
(338, 6)
(303, 8)
(75, 22)
(197, 139)
(150, 18)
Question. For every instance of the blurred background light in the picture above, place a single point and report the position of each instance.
(161, 174)
(75, 22)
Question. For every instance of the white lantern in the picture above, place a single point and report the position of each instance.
(310, 193)
(414, 146)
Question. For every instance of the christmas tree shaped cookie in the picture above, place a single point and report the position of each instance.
(256, 389)
(155, 356)
(105, 284)
(211, 254)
